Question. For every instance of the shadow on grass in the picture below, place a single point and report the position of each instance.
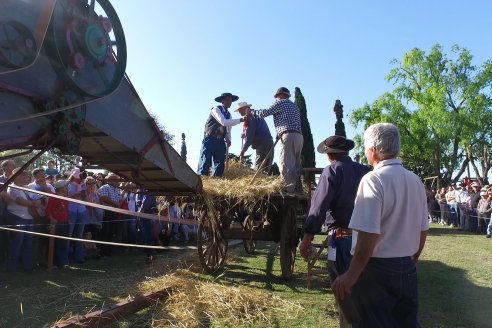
(449, 299)
(262, 270)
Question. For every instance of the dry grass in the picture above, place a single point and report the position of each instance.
(197, 303)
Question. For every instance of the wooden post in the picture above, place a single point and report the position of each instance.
(51, 248)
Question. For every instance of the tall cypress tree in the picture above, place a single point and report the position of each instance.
(183, 147)
(307, 155)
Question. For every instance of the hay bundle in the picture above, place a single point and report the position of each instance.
(237, 183)
(198, 303)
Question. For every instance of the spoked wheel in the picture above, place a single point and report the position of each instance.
(17, 45)
(249, 244)
(288, 242)
(86, 40)
(212, 247)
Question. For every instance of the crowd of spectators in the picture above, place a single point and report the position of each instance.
(29, 211)
(467, 207)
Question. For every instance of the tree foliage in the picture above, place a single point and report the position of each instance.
(441, 105)
(307, 156)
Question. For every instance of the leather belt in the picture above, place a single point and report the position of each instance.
(342, 232)
(289, 131)
(217, 135)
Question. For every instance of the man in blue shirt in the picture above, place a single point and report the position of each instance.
(257, 135)
(333, 199)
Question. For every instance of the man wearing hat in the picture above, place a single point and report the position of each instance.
(333, 200)
(257, 135)
(287, 120)
(217, 136)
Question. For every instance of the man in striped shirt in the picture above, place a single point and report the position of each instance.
(287, 120)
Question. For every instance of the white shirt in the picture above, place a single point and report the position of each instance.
(16, 209)
(228, 123)
(391, 202)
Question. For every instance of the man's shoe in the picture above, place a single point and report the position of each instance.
(488, 236)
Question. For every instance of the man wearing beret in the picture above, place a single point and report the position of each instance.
(333, 200)
(287, 120)
(217, 136)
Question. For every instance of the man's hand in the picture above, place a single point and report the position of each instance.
(305, 245)
(342, 286)
(228, 143)
(241, 156)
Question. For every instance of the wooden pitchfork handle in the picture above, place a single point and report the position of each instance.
(226, 160)
(264, 160)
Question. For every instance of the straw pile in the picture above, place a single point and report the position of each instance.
(198, 303)
(237, 183)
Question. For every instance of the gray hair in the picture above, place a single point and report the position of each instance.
(385, 138)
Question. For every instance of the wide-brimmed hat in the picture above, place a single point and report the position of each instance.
(283, 90)
(225, 95)
(61, 184)
(475, 184)
(242, 104)
(335, 144)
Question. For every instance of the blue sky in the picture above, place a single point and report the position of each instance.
(182, 54)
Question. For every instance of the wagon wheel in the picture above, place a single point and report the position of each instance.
(288, 247)
(249, 244)
(212, 247)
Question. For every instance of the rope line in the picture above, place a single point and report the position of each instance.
(109, 208)
(97, 241)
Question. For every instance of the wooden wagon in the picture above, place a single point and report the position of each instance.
(277, 217)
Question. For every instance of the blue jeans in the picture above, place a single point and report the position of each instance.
(344, 257)
(386, 294)
(20, 244)
(453, 214)
(489, 227)
(76, 230)
(61, 245)
(213, 149)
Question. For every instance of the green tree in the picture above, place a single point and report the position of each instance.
(307, 156)
(440, 104)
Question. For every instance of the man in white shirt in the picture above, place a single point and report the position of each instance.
(217, 136)
(390, 227)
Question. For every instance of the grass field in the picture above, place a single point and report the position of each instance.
(455, 277)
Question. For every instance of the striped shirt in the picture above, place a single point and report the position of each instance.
(286, 116)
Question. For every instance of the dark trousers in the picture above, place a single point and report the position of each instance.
(148, 234)
(20, 244)
(261, 154)
(343, 247)
(386, 294)
(108, 232)
(62, 245)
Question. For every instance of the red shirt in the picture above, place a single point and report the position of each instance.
(58, 209)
